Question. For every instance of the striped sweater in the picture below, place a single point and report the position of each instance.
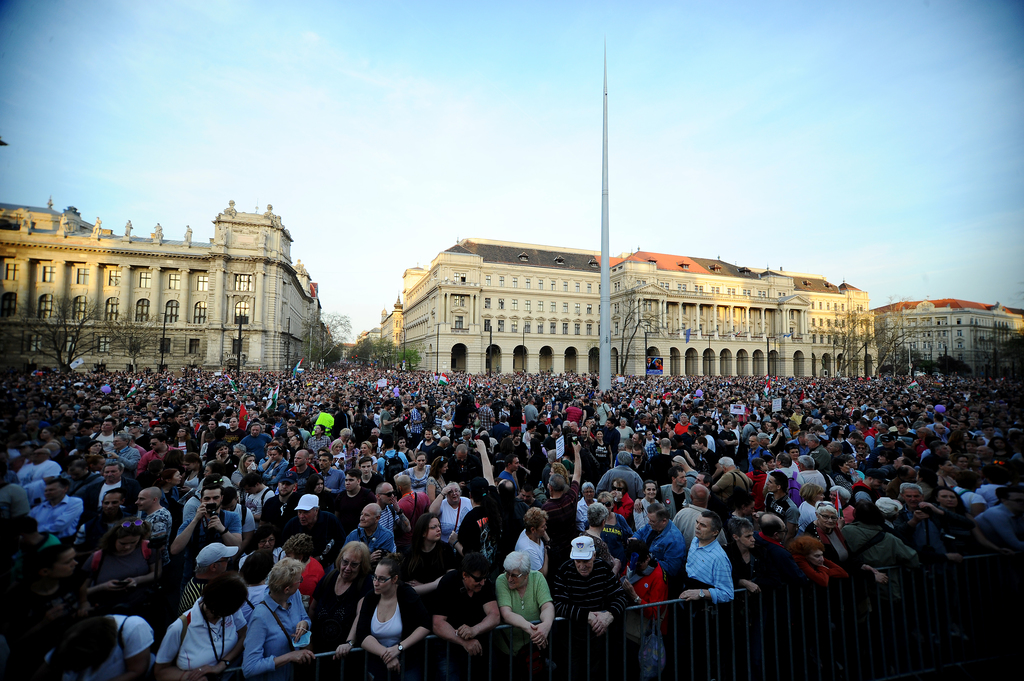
(576, 597)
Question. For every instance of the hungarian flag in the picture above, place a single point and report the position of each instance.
(296, 371)
(135, 388)
(442, 379)
(768, 386)
(243, 416)
(272, 398)
(231, 383)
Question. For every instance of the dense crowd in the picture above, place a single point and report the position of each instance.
(178, 525)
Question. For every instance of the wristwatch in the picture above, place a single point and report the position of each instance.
(400, 647)
(701, 594)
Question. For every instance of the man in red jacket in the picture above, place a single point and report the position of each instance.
(758, 475)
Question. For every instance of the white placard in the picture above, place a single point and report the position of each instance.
(737, 409)
(382, 383)
(777, 404)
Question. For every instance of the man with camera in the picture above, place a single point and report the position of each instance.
(209, 525)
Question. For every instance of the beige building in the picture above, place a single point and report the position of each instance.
(520, 307)
(201, 290)
(970, 332)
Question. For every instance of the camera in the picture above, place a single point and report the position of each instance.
(211, 508)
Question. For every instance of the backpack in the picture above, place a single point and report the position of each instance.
(393, 467)
(794, 490)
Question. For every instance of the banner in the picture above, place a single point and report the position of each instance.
(737, 409)
(777, 404)
(655, 366)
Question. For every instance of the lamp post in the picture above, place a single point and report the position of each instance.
(490, 342)
(525, 352)
(163, 341)
(242, 319)
(437, 350)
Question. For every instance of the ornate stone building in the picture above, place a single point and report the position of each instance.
(195, 292)
(507, 306)
(971, 332)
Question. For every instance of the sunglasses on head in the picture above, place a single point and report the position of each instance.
(132, 523)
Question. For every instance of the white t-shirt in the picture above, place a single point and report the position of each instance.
(451, 518)
(104, 488)
(30, 472)
(195, 651)
(535, 549)
(135, 636)
(387, 633)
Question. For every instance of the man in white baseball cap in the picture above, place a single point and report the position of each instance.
(211, 562)
(321, 525)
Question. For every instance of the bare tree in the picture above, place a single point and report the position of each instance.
(630, 316)
(323, 335)
(60, 328)
(132, 337)
(853, 333)
(891, 333)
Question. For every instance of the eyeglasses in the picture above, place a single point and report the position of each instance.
(619, 489)
(133, 523)
(387, 494)
(380, 580)
(608, 504)
(513, 575)
(478, 580)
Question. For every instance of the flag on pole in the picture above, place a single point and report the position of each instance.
(135, 388)
(768, 386)
(296, 371)
(243, 416)
(272, 398)
(442, 379)
(231, 383)
(687, 335)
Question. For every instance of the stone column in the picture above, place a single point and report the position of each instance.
(185, 313)
(156, 296)
(257, 303)
(60, 279)
(96, 287)
(219, 292)
(26, 274)
(714, 320)
(125, 305)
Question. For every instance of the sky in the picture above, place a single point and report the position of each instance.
(880, 143)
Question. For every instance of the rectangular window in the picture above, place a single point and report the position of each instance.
(487, 325)
(514, 329)
(103, 344)
(682, 287)
(540, 327)
(501, 326)
(487, 303)
(487, 280)
(459, 277)
(526, 327)
(565, 286)
(746, 291)
(82, 276)
(49, 273)
(590, 309)
(565, 328)
(590, 329)
(236, 346)
(529, 304)
(501, 281)
(540, 284)
(145, 278)
(527, 283)
(540, 306)
(576, 329)
(731, 291)
(243, 282)
(165, 345)
(552, 284)
(551, 327)
(577, 287)
(114, 277)
(959, 332)
(515, 282)
(664, 285)
(458, 322)
(202, 282)
(174, 281)
(565, 308)
(515, 303)
(588, 288)
(193, 346)
(501, 303)
(11, 272)
(577, 308)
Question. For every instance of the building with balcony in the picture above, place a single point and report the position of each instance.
(973, 333)
(499, 306)
(195, 292)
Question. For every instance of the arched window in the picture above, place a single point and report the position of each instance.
(171, 311)
(9, 305)
(142, 310)
(242, 310)
(199, 313)
(110, 310)
(79, 308)
(45, 306)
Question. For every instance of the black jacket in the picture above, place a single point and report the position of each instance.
(414, 613)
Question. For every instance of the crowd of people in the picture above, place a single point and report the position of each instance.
(181, 524)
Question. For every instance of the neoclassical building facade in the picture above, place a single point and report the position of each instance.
(195, 292)
(504, 306)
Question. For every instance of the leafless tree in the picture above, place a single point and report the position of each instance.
(59, 328)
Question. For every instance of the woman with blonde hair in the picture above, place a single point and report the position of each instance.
(300, 547)
(277, 627)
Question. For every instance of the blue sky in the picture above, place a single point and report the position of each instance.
(877, 142)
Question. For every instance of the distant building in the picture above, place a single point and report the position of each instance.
(970, 332)
(540, 305)
(202, 290)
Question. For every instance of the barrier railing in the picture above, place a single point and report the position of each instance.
(922, 621)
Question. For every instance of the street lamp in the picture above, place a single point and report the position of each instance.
(163, 341)
(242, 319)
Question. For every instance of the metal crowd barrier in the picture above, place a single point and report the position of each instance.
(924, 621)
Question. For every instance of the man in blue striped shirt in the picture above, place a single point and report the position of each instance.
(707, 563)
